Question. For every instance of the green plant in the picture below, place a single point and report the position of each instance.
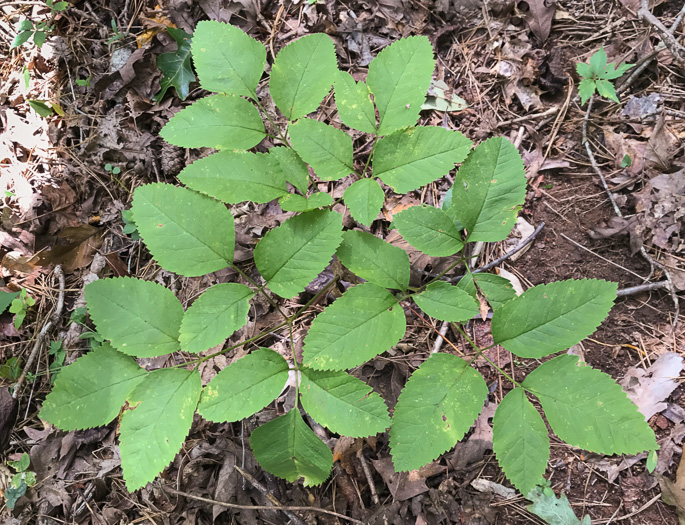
(38, 30)
(176, 67)
(118, 35)
(22, 480)
(190, 231)
(20, 306)
(596, 76)
(130, 227)
(112, 170)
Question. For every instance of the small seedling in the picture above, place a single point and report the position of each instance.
(38, 31)
(626, 161)
(11, 369)
(83, 81)
(112, 170)
(118, 35)
(596, 76)
(20, 306)
(59, 355)
(130, 227)
(22, 480)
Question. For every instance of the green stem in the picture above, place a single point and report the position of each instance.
(260, 289)
(373, 149)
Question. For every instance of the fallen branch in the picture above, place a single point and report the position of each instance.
(666, 35)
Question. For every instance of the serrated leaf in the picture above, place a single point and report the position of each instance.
(326, 149)
(497, 290)
(364, 322)
(554, 511)
(586, 88)
(292, 166)
(430, 230)
(244, 387)
(584, 70)
(364, 200)
(140, 318)
(552, 317)
(290, 256)
(588, 409)
(374, 259)
(438, 405)
(175, 67)
(187, 233)
(606, 89)
(412, 158)
(236, 176)
(6, 299)
(489, 189)
(153, 431)
(447, 302)
(216, 121)
(289, 449)
(399, 78)
(90, 392)
(302, 74)
(292, 202)
(226, 59)
(343, 403)
(597, 62)
(354, 104)
(520, 441)
(214, 316)
(612, 72)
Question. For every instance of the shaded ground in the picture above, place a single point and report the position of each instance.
(511, 64)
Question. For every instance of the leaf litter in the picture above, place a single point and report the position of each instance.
(128, 138)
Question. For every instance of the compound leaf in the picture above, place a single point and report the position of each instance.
(140, 318)
(374, 259)
(290, 256)
(175, 67)
(412, 158)
(489, 189)
(520, 441)
(552, 317)
(447, 302)
(244, 387)
(497, 290)
(214, 316)
(399, 78)
(216, 121)
(288, 448)
(354, 103)
(438, 405)
(188, 233)
(358, 326)
(588, 409)
(343, 403)
(153, 431)
(292, 202)
(236, 176)
(226, 59)
(430, 230)
(326, 149)
(364, 200)
(90, 392)
(302, 74)
(606, 89)
(292, 166)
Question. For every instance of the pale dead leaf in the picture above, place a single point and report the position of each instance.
(406, 485)
(539, 17)
(650, 388)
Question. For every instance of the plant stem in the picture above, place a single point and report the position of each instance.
(260, 289)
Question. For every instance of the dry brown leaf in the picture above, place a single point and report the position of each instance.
(539, 17)
(673, 492)
(406, 485)
(650, 388)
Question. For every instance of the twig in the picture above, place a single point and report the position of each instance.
(438, 340)
(643, 251)
(261, 488)
(665, 34)
(578, 245)
(259, 507)
(369, 477)
(43, 332)
(506, 256)
(643, 288)
(634, 513)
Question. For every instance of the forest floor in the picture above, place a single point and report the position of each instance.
(514, 65)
